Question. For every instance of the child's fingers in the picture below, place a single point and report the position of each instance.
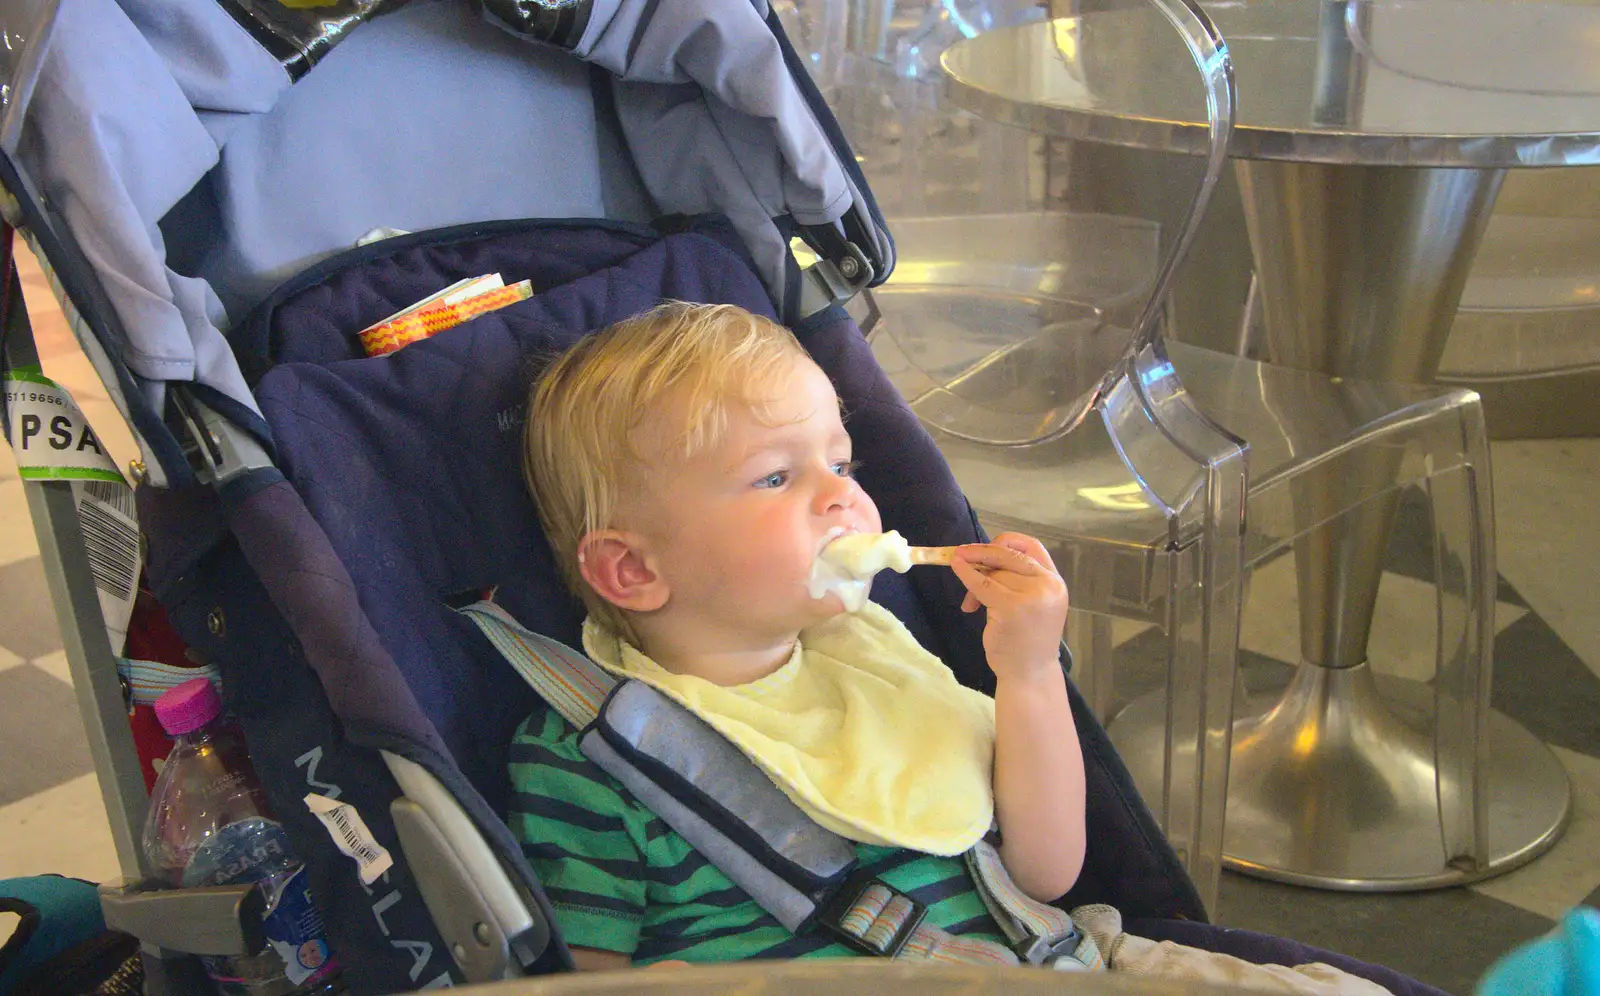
(999, 558)
(1023, 543)
(981, 587)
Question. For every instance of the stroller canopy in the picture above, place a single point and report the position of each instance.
(184, 157)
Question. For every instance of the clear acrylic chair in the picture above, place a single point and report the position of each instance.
(1008, 327)
(1028, 338)
(1527, 334)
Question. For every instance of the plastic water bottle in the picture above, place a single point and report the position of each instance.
(209, 825)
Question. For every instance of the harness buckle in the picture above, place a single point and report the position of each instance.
(871, 916)
(1037, 950)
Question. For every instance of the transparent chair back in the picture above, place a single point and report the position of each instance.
(1024, 320)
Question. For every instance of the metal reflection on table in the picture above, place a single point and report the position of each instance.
(1371, 141)
(1459, 83)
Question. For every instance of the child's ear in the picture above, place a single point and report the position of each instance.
(616, 565)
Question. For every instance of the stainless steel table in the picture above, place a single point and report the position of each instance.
(1372, 138)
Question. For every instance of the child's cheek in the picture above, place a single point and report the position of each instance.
(768, 543)
(870, 510)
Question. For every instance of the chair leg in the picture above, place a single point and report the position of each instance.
(1462, 514)
(1203, 626)
(1162, 735)
(1205, 562)
(1089, 635)
(1252, 325)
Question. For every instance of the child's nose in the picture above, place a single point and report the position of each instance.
(837, 493)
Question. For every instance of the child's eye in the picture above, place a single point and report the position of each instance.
(776, 479)
(847, 468)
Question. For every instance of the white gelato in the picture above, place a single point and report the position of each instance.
(847, 563)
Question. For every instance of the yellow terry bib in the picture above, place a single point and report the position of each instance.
(865, 730)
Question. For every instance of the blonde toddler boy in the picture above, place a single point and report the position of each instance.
(688, 465)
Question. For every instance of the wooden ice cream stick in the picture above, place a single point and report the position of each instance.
(941, 555)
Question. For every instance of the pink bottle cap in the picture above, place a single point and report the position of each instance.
(188, 707)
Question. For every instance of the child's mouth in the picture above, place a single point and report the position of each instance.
(826, 578)
(830, 536)
(849, 560)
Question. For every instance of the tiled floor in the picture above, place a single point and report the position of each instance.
(1449, 937)
(1547, 677)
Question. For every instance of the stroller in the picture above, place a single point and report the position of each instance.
(311, 515)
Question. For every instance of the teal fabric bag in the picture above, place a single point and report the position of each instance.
(1565, 962)
(60, 944)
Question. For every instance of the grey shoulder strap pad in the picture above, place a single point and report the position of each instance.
(706, 789)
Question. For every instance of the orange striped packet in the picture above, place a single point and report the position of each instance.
(456, 292)
(435, 318)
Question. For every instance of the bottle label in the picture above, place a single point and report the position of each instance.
(257, 850)
(247, 850)
(294, 927)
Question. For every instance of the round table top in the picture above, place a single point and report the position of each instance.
(1468, 83)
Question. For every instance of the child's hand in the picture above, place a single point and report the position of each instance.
(1014, 578)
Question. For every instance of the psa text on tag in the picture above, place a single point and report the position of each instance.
(63, 433)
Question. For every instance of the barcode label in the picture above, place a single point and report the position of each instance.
(350, 834)
(118, 496)
(354, 845)
(112, 542)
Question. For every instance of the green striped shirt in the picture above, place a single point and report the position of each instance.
(622, 880)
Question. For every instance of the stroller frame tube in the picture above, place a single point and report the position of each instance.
(93, 666)
(98, 688)
(96, 681)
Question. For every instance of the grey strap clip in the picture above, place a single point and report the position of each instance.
(1043, 951)
(834, 281)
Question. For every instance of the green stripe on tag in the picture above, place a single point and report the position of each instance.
(69, 474)
(49, 434)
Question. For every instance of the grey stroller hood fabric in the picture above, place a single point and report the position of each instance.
(194, 171)
(733, 104)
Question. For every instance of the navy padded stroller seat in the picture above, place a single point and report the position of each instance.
(410, 464)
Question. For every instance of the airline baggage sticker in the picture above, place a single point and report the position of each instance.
(52, 441)
(49, 435)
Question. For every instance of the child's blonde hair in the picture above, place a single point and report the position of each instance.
(587, 408)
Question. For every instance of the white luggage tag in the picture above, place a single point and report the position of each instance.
(52, 441)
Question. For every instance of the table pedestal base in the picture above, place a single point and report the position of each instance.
(1333, 784)
(1361, 267)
